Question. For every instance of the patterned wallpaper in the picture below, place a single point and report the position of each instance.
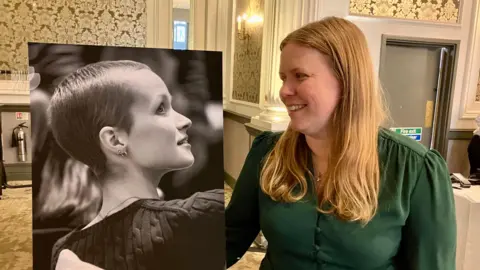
(248, 55)
(95, 22)
(426, 10)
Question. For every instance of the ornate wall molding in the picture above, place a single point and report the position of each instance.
(247, 52)
(242, 107)
(14, 92)
(445, 11)
(231, 104)
(470, 107)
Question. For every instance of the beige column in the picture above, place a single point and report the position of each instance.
(281, 18)
(211, 27)
(159, 24)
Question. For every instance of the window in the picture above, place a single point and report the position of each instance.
(180, 35)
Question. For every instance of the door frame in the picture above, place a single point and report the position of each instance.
(444, 99)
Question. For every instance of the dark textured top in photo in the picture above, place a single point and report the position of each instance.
(154, 234)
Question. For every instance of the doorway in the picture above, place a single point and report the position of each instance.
(417, 77)
(181, 21)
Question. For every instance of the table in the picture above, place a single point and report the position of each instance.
(467, 204)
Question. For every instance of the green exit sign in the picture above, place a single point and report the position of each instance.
(407, 131)
(414, 133)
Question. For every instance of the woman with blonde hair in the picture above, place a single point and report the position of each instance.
(336, 190)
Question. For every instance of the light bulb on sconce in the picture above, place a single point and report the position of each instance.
(239, 23)
(241, 27)
(254, 19)
(242, 23)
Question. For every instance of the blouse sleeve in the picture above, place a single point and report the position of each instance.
(207, 249)
(56, 249)
(430, 232)
(242, 214)
(185, 233)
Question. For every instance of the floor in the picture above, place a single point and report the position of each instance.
(251, 260)
(16, 228)
(16, 232)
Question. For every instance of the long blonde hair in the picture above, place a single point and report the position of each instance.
(350, 186)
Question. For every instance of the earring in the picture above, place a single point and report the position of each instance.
(122, 153)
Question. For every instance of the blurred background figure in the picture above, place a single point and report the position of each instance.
(63, 197)
(60, 189)
(474, 151)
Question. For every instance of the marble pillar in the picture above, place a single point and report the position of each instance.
(159, 24)
(211, 24)
(281, 18)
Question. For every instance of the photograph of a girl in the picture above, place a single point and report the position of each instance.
(109, 133)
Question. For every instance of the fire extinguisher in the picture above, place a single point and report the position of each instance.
(19, 141)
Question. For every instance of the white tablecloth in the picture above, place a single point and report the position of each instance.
(467, 204)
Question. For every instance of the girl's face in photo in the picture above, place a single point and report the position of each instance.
(158, 136)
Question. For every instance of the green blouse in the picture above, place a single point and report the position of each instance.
(414, 228)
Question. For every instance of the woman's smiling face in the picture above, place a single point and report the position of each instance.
(158, 136)
(310, 90)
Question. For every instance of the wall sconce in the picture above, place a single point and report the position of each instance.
(242, 21)
(242, 32)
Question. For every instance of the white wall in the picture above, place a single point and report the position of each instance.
(14, 92)
(236, 144)
(374, 28)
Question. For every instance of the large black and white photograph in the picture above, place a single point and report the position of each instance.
(127, 158)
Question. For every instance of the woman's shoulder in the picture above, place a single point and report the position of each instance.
(395, 149)
(60, 244)
(267, 137)
(389, 140)
(397, 146)
(201, 213)
(264, 142)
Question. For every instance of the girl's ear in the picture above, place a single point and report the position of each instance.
(113, 140)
